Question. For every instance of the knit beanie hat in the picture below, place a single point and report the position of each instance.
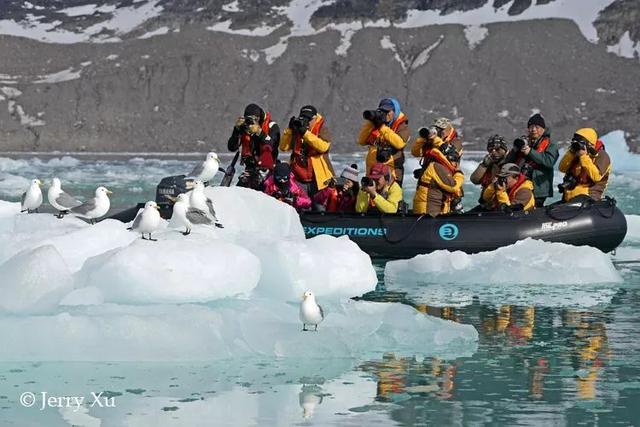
(538, 120)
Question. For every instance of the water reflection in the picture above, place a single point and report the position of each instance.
(310, 396)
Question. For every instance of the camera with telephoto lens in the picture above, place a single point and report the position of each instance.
(520, 143)
(577, 145)
(501, 181)
(366, 181)
(377, 117)
(569, 182)
(429, 132)
(300, 123)
(384, 153)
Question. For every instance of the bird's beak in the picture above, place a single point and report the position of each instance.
(304, 297)
(157, 207)
(39, 183)
(109, 192)
(170, 197)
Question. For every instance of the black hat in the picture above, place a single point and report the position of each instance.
(281, 171)
(497, 141)
(253, 110)
(308, 111)
(538, 120)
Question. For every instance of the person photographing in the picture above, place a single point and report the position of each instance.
(379, 191)
(281, 185)
(511, 190)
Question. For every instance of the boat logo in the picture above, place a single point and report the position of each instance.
(553, 226)
(448, 231)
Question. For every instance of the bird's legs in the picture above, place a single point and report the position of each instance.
(186, 232)
(316, 329)
(304, 327)
(219, 225)
(143, 238)
(153, 240)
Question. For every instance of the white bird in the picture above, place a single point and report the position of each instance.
(147, 221)
(198, 200)
(184, 215)
(310, 312)
(60, 199)
(206, 170)
(95, 207)
(32, 198)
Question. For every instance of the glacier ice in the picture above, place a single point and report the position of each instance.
(633, 228)
(622, 159)
(215, 294)
(34, 281)
(529, 272)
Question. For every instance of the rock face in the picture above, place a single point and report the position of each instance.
(175, 74)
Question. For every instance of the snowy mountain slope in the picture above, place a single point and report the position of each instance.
(171, 74)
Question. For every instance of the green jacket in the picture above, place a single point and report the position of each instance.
(543, 165)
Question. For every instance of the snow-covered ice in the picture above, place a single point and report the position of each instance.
(214, 294)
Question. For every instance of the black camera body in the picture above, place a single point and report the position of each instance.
(520, 143)
(501, 181)
(377, 117)
(300, 123)
(429, 132)
(569, 182)
(578, 145)
(366, 181)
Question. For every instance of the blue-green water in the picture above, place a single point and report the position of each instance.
(555, 358)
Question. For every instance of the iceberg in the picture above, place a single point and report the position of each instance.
(529, 272)
(622, 159)
(212, 295)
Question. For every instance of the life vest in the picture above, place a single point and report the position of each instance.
(542, 145)
(434, 154)
(332, 201)
(453, 135)
(375, 134)
(300, 163)
(521, 179)
(246, 147)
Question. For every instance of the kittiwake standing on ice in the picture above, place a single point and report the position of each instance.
(32, 198)
(206, 170)
(198, 200)
(310, 312)
(184, 215)
(147, 221)
(60, 199)
(95, 207)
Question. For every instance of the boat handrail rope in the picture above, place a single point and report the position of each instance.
(589, 203)
(404, 237)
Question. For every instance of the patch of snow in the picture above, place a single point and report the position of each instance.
(602, 90)
(10, 92)
(126, 19)
(231, 7)
(112, 57)
(626, 47)
(60, 76)
(274, 52)
(85, 63)
(251, 54)
(475, 34)
(424, 56)
(386, 43)
(225, 27)
(503, 114)
(158, 32)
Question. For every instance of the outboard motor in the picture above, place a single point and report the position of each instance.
(167, 190)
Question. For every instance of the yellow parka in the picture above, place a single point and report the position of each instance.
(387, 202)
(523, 195)
(386, 136)
(321, 143)
(591, 172)
(436, 187)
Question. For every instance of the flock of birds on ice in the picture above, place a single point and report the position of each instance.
(189, 208)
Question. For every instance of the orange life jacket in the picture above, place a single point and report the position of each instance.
(514, 189)
(332, 201)
(373, 136)
(434, 154)
(453, 135)
(300, 163)
(245, 139)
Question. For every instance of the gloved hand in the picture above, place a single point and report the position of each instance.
(254, 129)
(239, 124)
(487, 161)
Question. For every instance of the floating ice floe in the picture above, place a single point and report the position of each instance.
(529, 272)
(214, 294)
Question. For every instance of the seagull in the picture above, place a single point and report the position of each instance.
(310, 396)
(310, 312)
(95, 207)
(60, 199)
(32, 198)
(198, 200)
(186, 216)
(147, 221)
(206, 170)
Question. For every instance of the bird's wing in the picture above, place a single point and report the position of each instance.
(210, 206)
(86, 207)
(24, 196)
(197, 171)
(321, 311)
(196, 216)
(66, 201)
(137, 221)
